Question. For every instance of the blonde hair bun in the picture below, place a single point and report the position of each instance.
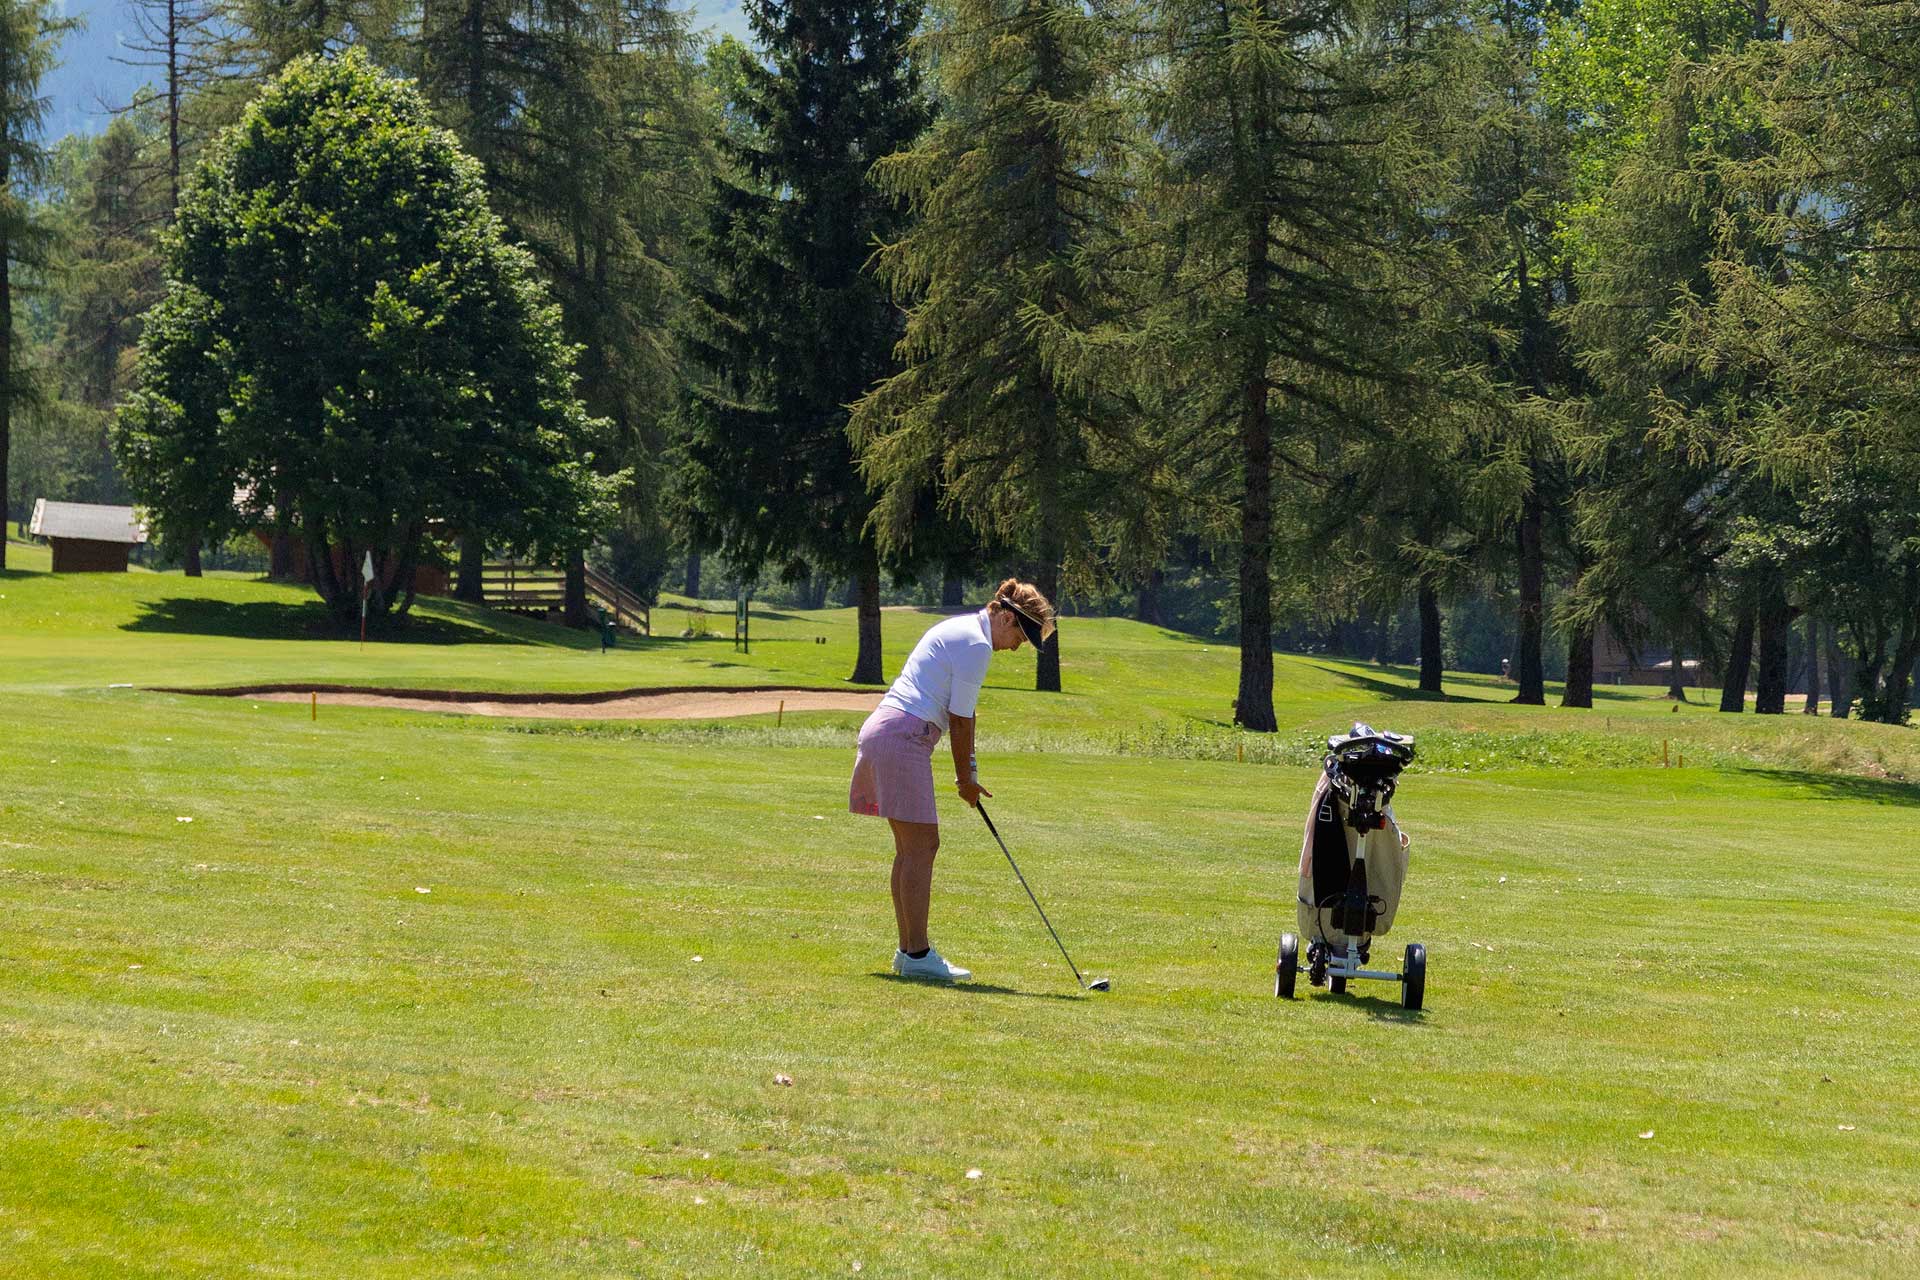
(1028, 597)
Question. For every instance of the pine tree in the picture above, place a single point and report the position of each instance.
(1013, 403)
(185, 42)
(107, 208)
(1669, 499)
(1825, 313)
(589, 121)
(793, 327)
(30, 33)
(1289, 157)
(273, 33)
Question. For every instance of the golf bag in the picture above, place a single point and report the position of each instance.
(1350, 813)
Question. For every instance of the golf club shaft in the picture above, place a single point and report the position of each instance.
(1029, 888)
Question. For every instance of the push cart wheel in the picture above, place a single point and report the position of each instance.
(1288, 967)
(1413, 982)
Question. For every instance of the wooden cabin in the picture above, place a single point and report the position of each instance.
(87, 537)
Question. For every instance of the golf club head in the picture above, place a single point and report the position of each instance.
(1099, 984)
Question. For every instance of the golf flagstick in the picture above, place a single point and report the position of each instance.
(1098, 984)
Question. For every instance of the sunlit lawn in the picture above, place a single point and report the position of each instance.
(249, 1043)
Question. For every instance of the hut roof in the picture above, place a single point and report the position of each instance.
(86, 520)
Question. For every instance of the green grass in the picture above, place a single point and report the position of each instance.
(247, 1045)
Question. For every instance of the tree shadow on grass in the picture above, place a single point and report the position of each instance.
(1844, 786)
(278, 620)
(1411, 692)
(973, 988)
(1384, 688)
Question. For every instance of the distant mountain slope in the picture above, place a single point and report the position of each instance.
(88, 83)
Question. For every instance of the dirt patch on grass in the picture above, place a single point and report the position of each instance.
(682, 703)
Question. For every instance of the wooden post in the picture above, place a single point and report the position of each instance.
(316, 705)
(1240, 749)
(1665, 761)
(782, 718)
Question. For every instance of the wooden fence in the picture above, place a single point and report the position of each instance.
(516, 584)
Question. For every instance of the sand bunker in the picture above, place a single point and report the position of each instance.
(621, 704)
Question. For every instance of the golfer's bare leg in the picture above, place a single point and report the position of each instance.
(914, 847)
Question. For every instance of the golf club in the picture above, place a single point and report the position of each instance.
(1098, 984)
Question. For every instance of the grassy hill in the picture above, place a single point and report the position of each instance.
(1129, 688)
(397, 994)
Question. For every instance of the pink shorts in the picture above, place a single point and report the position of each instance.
(893, 771)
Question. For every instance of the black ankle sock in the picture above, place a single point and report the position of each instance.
(921, 954)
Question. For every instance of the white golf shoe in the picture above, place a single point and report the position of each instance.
(931, 966)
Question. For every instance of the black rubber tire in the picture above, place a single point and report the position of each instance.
(1337, 985)
(1287, 970)
(1413, 980)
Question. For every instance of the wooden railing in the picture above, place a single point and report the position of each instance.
(516, 584)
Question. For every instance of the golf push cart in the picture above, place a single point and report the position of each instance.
(1353, 862)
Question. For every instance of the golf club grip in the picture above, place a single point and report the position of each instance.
(1030, 896)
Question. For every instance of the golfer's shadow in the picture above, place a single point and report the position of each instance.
(973, 988)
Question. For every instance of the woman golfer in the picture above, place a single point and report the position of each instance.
(936, 693)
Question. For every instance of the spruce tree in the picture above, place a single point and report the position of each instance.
(593, 132)
(792, 326)
(1669, 497)
(1012, 404)
(1825, 312)
(30, 33)
(1289, 151)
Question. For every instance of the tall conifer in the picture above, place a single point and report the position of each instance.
(30, 33)
(1011, 404)
(792, 327)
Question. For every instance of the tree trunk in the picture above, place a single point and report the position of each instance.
(1677, 674)
(1896, 693)
(573, 610)
(173, 108)
(1430, 656)
(1253, 705)
(1046, 663)
(1528, 668)
(1733, 690)
(1884, 698)
(952, 593)
(280, 551)
(1839, 677)
(693, 573)
(6, 358)
(1146, 598)
(866, 662)
(341, 603)
(1579, 690)
(470, 585)
(1813, 668)
(190, 559)
(1775, 623)
(403, 574)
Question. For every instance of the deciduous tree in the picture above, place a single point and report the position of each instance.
(345, 321)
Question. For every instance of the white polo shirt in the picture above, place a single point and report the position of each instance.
(944, 672)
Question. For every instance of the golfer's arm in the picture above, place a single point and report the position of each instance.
(960, 733)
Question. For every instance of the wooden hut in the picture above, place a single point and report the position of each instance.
(87, 537)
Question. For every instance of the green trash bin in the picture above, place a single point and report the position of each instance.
(609, 633)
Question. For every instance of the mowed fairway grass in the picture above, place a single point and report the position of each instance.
(398, 994)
